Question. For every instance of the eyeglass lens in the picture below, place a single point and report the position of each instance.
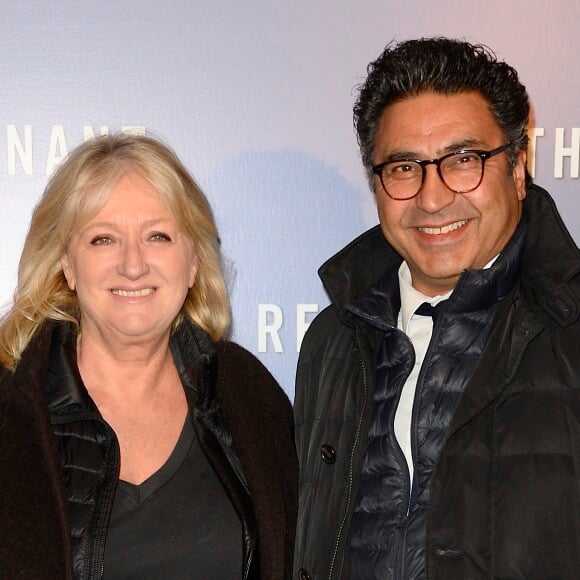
(461, 172)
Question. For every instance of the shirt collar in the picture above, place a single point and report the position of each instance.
(411, 298)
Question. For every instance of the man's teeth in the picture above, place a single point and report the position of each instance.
(133, 293)
(445, 229)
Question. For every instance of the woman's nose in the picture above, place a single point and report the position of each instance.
(133, 260)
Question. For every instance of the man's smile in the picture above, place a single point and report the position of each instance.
(444, 229)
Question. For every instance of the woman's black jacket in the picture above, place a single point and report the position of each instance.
(243, 421)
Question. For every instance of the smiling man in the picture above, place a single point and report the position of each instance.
(438, 397)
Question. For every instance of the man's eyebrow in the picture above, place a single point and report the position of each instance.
(409, 155)
(460, 145)
(400, 155)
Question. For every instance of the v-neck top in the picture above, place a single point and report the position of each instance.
(177, 524)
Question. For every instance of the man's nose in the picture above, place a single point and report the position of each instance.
(434, 194)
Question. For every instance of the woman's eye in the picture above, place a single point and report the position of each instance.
(100, 241)
(159, 237)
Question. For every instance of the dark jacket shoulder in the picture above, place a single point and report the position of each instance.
(34, 537)
(252, 378)
(258, 415)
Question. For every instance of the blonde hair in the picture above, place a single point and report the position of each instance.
(75, 193)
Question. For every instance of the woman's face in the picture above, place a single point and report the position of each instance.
(130, 265)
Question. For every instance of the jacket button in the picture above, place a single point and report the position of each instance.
(328, 453)
(303, 574)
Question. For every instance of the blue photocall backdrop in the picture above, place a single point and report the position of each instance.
(256, 98)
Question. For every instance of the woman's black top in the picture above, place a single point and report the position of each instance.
(177, 524)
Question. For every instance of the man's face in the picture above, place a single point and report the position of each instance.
(481, 222)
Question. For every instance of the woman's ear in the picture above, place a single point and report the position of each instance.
(67, 270)
(193, 270)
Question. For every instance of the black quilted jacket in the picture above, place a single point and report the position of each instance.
(505, 493)
(59, 460)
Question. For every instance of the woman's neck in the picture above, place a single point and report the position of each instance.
(116, 369)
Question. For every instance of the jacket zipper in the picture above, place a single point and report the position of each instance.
(94, 561)
(351, 461)
(402, 458)
(235, 463)
(400, 560)
(401, 544)
(96, 567)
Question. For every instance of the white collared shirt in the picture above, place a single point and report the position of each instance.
(419, 330)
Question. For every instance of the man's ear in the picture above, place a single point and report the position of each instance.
(519, 173)
(68, 272)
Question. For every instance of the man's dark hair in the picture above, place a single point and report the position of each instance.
(447, 67)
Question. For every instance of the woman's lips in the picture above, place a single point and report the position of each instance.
(133, 293)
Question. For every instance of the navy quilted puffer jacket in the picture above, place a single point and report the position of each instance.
(498, 486)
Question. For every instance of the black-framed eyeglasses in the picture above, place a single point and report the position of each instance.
(461, 172)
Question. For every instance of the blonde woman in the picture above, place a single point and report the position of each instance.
(134, 441)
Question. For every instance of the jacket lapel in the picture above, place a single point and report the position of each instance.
(507, 343)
